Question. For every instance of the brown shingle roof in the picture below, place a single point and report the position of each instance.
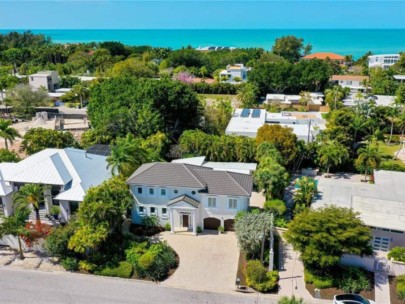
(186, 199)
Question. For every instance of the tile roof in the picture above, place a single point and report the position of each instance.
(324, 55)
(197, 177)
(184, 198)
(349, 77)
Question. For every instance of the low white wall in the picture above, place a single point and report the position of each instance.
(397, 268)
(366, 262)
(12, 241)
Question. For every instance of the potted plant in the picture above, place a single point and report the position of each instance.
(55, 211)
(221, 229)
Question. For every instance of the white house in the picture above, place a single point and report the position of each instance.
(383, 61)
(379, 100)
(234, 73)
(246, 122)
(68, 173)
(285, 99)
(353, 82)
(381, 205)
(189, 196)
(44, 79)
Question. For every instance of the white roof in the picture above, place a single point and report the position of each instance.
(381, 204)
(399, 77)
(72, 169)
(246, 126)
(245, 168)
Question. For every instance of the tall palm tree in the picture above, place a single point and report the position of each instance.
(331, 153)
(369, 158)
(126, 156)
(82, 91)
(29, 195)
(8, 133)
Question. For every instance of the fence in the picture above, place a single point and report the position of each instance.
(372, 263)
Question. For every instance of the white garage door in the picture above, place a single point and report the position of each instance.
(381, 243)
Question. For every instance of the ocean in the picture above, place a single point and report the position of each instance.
(342, 41)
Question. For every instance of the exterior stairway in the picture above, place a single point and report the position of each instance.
(43, 217)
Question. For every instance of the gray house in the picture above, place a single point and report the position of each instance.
(187, 196)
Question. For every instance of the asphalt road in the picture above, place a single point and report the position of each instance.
(25, 286)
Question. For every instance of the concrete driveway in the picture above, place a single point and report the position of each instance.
(208, 261)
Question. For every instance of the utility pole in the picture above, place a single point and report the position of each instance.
(271, 256)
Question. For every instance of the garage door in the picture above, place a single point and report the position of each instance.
(229, 225)
(211, 223)
(381, 243)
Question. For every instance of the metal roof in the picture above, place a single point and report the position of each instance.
(184, 198)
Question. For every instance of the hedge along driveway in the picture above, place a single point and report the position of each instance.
(208, 261)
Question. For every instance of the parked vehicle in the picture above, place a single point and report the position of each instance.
(351, 299)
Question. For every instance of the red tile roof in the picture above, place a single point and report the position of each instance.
(324, 55)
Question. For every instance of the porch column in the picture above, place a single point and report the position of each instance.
(194, 224)
(48, 199)
(171, 220)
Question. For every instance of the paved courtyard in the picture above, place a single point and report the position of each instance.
(208, 261)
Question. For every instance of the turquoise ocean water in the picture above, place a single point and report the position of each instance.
(341, 41)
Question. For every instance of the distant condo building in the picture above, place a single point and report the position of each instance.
(246, 122)
(383, 61)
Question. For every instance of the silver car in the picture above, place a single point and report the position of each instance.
(350, 298)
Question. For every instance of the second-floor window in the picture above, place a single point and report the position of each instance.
(151, 191)
(162, 192)
(164, 212)
(232, 203)
(212, 202)
(152, 210)
(139, 190)
(141, 209)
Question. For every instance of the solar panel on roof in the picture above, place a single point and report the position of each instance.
(98, 149)
(256, 113)
(245, 113)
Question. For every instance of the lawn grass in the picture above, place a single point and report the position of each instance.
(387, 152)
(217, 96)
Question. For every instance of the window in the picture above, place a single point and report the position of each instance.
(152, 210)
(212, 202)
(176, 191)
(141, 209)
(162, 192)
(233, 203)
(151, 191)
(139, 190)
(164, 212)
(381, 243)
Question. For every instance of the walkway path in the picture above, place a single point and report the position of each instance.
(382, 288)
(291, 273)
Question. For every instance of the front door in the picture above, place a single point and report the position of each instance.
(186, 218)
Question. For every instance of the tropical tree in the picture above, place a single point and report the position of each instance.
(334, 97)
(8, 156)
(81, 90)
(272, 178)
(331, 153)
(15, 225)
(8, 133)
(306, 190)
(369, 158)
(323, 235)
(29, 196)
(127, 154)
(289, 47)
(247, 95)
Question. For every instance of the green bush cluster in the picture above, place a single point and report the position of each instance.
(70, 264)
(401, 287)
(168, 227)
(259, 278)
(87, 266)
(123, 270)
(151, 261)
(199, 229)
(354, 280)
(320, 281)
(397, 253)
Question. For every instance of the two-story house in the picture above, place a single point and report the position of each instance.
(188, 196)
(235, 73)
(49, 80)
(356, 83)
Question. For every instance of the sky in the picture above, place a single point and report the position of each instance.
(203, 14)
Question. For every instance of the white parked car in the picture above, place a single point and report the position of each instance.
(350, 298)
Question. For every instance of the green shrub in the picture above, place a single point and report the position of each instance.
(70, 264)
(55, 210)
(168, 227)
(401, 287)
(292, 300)
(276, 206)
(259, 278)
(151, 221)
(318, 280)
(135, 251)
(87, 266)
(354, 280)
(199, 229)
(146, 260)
(397, 253)
(123, 270)
(390, 165)
(56, 243)
(221, 229)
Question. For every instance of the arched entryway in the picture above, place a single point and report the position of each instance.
(228, 224)
(211, 223)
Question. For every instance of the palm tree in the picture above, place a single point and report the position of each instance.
(401, 125)
(29, 195)
(126, 156)
(368, 158)
(6, 132)
(82, 91)
(331, 153)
